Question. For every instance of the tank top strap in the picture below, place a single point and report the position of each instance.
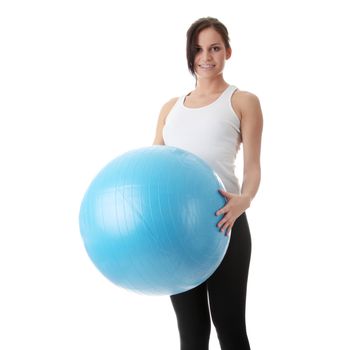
(230, 90)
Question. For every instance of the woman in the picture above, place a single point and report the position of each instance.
(211, 122)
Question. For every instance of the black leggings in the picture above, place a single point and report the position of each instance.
(226, 289)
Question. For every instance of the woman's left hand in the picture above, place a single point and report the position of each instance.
(235, 206)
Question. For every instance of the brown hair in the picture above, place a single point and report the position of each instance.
(192, 34)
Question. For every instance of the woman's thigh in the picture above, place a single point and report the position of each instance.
(228, 284)
(192, 310)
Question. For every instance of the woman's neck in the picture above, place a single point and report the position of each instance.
(206, 87)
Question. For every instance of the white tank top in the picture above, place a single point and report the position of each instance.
(211, 132)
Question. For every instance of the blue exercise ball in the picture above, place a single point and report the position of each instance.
(148, 221)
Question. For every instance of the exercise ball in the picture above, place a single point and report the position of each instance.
(148, 221)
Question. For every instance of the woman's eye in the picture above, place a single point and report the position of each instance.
(215, 48)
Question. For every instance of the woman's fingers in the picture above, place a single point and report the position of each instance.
(223, 224)
(226, 225)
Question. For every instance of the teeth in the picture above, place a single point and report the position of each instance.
(207, 66)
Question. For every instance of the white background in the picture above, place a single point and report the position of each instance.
(83, 81)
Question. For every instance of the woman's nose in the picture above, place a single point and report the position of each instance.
(206, 55)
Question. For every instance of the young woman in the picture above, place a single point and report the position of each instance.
(211, 122)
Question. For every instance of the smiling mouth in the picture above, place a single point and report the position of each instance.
(207, 66)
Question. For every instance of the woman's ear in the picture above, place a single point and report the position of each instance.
(228, 53)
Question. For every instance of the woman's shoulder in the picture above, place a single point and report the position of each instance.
(166, 108)
(170, 103)
(245, 96)
(244, 100)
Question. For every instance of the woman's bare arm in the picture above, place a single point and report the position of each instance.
(251, 129)
(158, 140)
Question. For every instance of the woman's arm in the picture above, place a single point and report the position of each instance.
(251, 131)
(158, 139)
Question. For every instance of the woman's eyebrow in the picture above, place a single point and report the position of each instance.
(210, 45)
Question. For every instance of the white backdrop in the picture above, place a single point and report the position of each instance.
(83, 81)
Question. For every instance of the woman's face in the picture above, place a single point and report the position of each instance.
(211, 54)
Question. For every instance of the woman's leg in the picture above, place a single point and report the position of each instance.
(193, 319)
(227, 289)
